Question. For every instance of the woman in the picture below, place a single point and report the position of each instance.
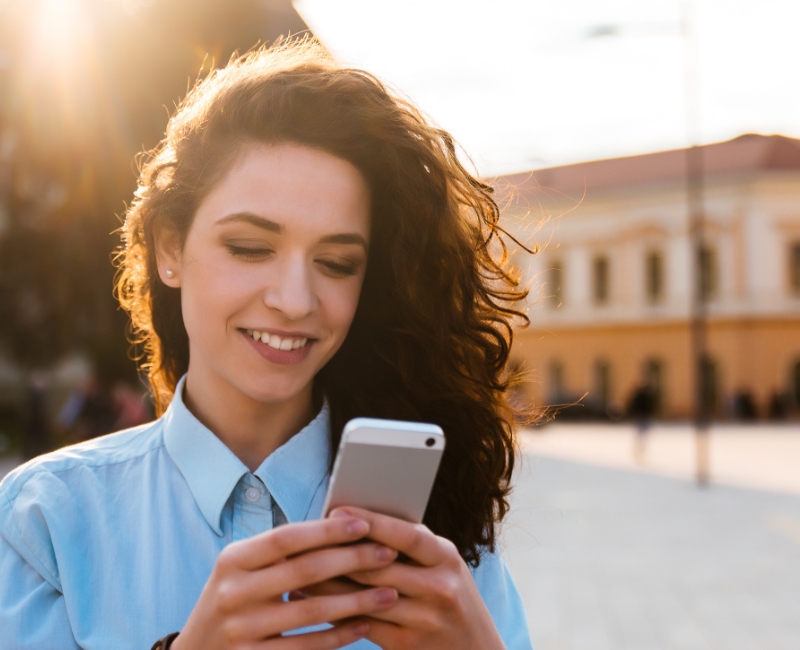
(303, 248)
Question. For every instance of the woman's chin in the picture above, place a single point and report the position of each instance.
(279, 391)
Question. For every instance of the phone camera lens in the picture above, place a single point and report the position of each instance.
(430, 442)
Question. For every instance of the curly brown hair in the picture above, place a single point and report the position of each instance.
(431, 335)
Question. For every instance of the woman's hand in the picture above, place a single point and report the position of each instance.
(242, 604)
(439, 605)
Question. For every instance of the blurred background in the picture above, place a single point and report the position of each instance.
(649, 149)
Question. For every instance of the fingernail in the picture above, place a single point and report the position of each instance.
(385, 596)
(357, 527)
(384, 553)
(360, 629)
(340, 512)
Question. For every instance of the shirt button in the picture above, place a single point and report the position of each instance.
(252, 494)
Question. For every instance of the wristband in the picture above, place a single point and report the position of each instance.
(165, 642)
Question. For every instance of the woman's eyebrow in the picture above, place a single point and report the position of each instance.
(346, 238)
(253, 219)
(272, 226)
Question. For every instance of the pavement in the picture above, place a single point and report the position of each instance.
(764, 456)
(615, 552)
(610, 553)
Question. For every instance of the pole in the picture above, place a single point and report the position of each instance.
(695, 208)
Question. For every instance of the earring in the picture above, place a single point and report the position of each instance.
(169, 273)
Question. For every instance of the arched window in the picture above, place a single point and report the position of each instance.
(707, 273)
(600, 281)
(794, 268)
(654, 269)
(795, 383)
(654, 378)
(709, 386)
(555, 284)
(602, 381)
(555, 379)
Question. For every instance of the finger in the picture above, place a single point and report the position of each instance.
(335, 637)
(409, 580)
(415, 540)
(285, 617)
(267, 548)
(318, 566)
(389, 635)
(411, 613)
(311, 568)
(331, 588)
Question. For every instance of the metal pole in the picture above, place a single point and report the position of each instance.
(695, 207)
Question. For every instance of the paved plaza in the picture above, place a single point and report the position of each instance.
(611, 552)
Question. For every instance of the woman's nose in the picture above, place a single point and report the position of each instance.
(290, 291)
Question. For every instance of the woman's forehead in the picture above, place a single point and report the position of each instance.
(293, 186)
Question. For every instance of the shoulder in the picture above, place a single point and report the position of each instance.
(502, 599)
(115, 448)
(49, 496)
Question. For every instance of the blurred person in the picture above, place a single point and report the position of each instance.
(779, 406)
(744, 406)
(96, 417)
(36, 426)
(131, 407)
(303, 248)
(642, 408)
(87, 412)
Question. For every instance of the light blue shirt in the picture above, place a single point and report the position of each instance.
(108, 544)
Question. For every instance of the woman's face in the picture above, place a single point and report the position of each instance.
(271, 271)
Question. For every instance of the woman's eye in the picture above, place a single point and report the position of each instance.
(338, 269)
(248, 252)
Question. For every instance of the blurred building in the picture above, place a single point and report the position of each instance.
(611, 289)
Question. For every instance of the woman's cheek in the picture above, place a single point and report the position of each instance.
(348, 301)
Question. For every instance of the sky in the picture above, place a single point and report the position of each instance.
(525, 84)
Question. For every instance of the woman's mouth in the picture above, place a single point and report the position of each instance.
(281, 350)
(276, 342)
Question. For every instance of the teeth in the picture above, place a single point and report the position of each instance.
(276, 342)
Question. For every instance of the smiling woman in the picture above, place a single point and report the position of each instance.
(303, 249)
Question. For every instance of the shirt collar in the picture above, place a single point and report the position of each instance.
(292, 473)
(296, 469)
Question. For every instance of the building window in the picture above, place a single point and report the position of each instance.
(600, 284)
(796, 383)
(654, 381)
(555, 285)
(654, 268)
(707, 273)
(556, 380)
(794, 268)
(602, 381)
(709, 387)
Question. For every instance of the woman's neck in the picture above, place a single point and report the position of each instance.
(252, 430)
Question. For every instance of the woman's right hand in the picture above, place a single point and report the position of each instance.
(242, 604)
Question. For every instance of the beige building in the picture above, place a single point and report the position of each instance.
(611, 289)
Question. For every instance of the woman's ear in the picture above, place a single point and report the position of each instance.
(168, 256)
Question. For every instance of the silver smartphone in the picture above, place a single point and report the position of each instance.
(386, 466)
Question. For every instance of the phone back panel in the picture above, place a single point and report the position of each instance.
(395, 481)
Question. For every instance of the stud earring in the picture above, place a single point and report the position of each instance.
(170, 273)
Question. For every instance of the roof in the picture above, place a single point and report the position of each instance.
(747, 153)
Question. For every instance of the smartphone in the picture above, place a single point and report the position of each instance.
(386, 466)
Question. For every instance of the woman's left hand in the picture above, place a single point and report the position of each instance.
(439, 605)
